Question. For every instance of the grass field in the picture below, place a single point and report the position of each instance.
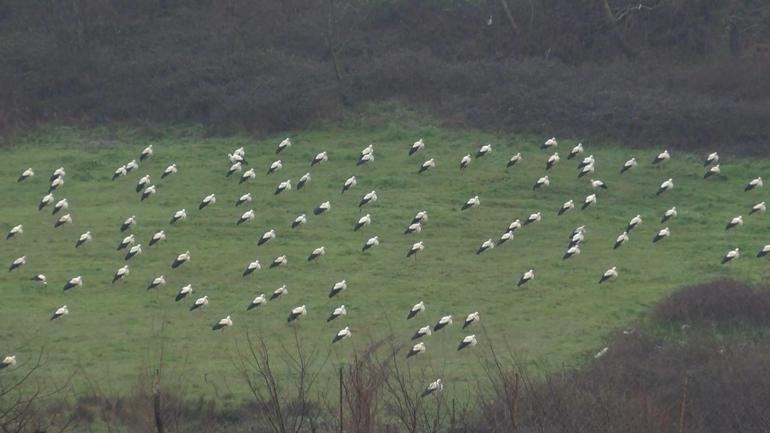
(113, 332)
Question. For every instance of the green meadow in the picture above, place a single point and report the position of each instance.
(114, 332)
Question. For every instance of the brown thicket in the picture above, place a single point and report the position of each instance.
(685, 73)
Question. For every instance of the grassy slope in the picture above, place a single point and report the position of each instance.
(115, 331)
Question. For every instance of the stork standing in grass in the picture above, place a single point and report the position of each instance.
(417, 145)
(628, 165)
(266, 236)
(515, 159)
(416, 309)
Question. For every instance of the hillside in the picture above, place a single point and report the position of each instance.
(114, 331)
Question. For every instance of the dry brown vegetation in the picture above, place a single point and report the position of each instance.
(684, 73)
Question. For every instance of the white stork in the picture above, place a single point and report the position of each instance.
(711, 158)
(17, 263)
(171, 169)
(370, 243)
(207, 201)
(413, 228)
(26, 174)
(61, 311)
(414, 249)
(552, 160)
(119, 172)
(754, 183)
(74, 282)
(759, 207)
(157, 282)
(471, 319)
(621, 239)
(338, 312)
(318, 252)
(417, 145)
(302, 219)
(142, 183)
(323, 207)
(515, 225)
(442, 323)
(277, 293)
(8, 361)
(222, 324)
(342, 334)
(662, 156)
(425, 166)
(588, 201)
(465, 162)
(17, 230)
(251, 267)
(572, 251)
(609, 274)
(425, 331)
(433, 387)
(578, 149)
(266, 236)
(365, 158)
(247, 175)
(362, 222)
(257, 301)
(279, 261)
(245, 198)
(551, 142)
(60, 205)
(128, 223)
(181, 259)
(628, 165)
(157, 237)
(505, 237)
(349, 183)
(662, 233)
(275, 166)
(148, 191)
(283, 186)
(567, 206)
(471, 202)
(183, 292)
(731, 255)
(369, 197)
(40, 278)
(121, 273)
(467, 341)
(735, 222)
(667, 185)
(486, 245)
(533, 218)
(420, 217)
(416, 350)
(669, 214)
(483, 150)
(515, 159)
(321, 157)
(178, 216)
(541, 182)
(635, 221)
(45, 201)
(283, 145)
(146, 153)
(132, 165)
(526, 276)
(764, 251)
(133, 252)
(586, 169)
(416, 309)
(712, 171)
(234, 168)
(58, 182)
(200, 303)
(303, 180)
(64, 219)
(598, 183)
(297, 312)
(246, 216)
(338, 287)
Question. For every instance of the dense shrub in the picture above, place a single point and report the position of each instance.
(723, 302)
(265, 66)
